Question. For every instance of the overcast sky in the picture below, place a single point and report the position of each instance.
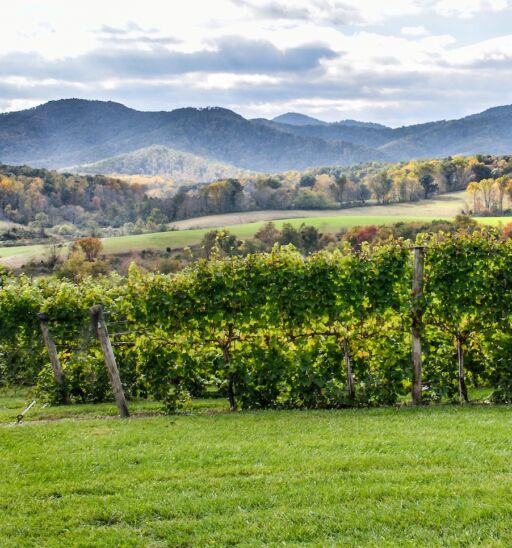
(391, 61)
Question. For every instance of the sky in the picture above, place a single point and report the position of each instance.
(396, 62)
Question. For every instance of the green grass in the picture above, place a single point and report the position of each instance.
(182, 238)
(382, 477)
(442, 207)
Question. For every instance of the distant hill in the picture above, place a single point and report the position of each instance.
(76, 132)
(362, 135)
(357, 123)
(160, 160)
(488, 132)
(73, 132)
(297, 119)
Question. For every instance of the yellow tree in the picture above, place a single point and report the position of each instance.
(509, 189)
(502, 184)
(473, 190)
(488, 187)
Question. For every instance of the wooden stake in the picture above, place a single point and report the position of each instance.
(110, 360)
(463, 391)
(58, 373)
(231, 382)
(348, 367)
(417, 323)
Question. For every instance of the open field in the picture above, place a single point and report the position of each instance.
(18, 255)
(245, 225)
(380, 477)
(446, 205)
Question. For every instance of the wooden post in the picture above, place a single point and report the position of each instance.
(110, 360)
(58, 373)
(417, 321)
(348, 367)
(226, 347)
(231, 383)
(463, 391)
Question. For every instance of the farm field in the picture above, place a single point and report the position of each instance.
(245, 225)
(432, 476)
(445, 205)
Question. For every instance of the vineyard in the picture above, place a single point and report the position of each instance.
(275, 330)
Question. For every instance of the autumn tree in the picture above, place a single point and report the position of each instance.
(268, 234)
(380, 184)
(307, 180)
(90, 246)
(488, 188)
(425, 174)
(502, 184)
(473, 190)
(219, 243)
(338, 187)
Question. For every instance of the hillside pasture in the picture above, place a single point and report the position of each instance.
(246, 224)
(177, 239)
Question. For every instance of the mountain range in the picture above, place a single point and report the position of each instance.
(73, 132)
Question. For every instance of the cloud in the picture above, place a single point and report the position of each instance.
(414, 31)
(322, 12)
(141, 40)
(230, 54)
(133, 34)
(466, 9)
(276, 10)
(488, 56)
(394, 95)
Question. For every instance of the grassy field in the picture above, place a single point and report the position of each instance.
(443, 206)
(18, 255)
(383, 477)
(245, 225)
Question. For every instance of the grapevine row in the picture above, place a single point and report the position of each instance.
(278, 329)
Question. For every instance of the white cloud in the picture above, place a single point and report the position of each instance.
(486, 55)
(467, 9)
(414, 31)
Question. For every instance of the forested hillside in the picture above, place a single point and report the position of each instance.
(487, 132)
(181, 167)
(47, 198)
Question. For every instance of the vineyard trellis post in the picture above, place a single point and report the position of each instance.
(463, 391)
(417, 322)
(58, 373)
(110, 359)
(348, 368)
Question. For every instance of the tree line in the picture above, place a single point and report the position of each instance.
(66, 205)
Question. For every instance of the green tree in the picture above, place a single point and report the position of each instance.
(380, 184)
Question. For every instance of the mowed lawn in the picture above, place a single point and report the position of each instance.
(383, 477)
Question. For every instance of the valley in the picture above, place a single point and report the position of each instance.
(245, 224)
